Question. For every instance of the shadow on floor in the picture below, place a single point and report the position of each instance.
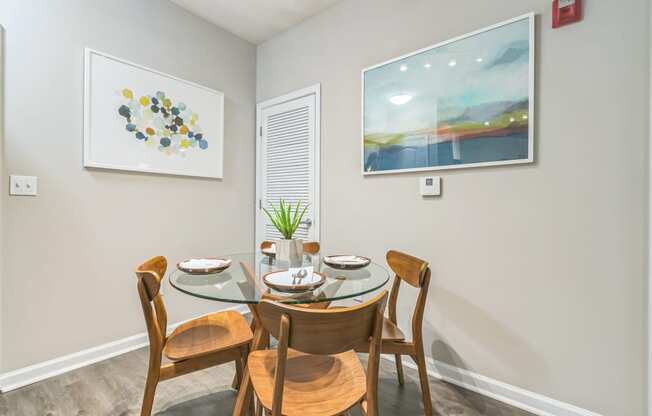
(215, 404)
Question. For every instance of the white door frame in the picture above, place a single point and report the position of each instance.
(649, 240)
(304, 92)
(3, 179)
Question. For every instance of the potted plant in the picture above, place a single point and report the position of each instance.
(287, 218)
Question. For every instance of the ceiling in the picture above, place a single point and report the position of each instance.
(255, 20)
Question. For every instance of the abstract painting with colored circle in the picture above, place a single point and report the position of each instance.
(140, 119)
(168, 125)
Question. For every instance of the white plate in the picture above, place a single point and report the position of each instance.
(291, 280)
(204, 266)
(346, 261)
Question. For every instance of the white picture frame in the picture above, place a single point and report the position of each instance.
(188, 143)
(531, 19)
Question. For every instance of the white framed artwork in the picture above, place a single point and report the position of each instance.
(140, 119)
(465, 102)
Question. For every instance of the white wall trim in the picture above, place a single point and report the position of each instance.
(503, 392)
(3, 178)
(649, 229)
(37, 372)
(497, 390)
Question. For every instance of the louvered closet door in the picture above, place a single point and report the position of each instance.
(287, 158)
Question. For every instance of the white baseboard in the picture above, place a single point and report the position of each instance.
(41, 371)
(497, 390)
(514, 396)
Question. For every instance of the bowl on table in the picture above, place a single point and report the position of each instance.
(346, 262)
(204, 266)
(294, 280)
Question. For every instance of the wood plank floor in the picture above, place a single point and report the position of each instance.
(114, 388)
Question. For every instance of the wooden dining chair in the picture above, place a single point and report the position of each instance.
(314, 370)
(416, 273)
(310, 247)
(204, 342)
(266, 245)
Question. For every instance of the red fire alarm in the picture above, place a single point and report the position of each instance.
(565, 12)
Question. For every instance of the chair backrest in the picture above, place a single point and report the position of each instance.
(150, 274)
(329, 331)
(416, 273)
(266, 244)
(310, 247)
(410, 269)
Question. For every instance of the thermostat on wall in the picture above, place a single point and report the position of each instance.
(430, 185)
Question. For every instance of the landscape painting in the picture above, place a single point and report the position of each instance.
(463, 103)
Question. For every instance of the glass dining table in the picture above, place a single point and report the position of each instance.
(243, 283)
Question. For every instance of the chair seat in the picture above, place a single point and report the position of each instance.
(206, 335)
(315, 385)
(391, 332)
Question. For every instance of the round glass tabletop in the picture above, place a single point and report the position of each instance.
(242, 282)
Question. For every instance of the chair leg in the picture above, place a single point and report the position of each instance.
(425, 385)
(238, 374)
(399, 369)
(363, 407)
(239, 367)
(252, 407)
(148, 396)
(235, 384)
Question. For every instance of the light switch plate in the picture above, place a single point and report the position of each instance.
(23, 185)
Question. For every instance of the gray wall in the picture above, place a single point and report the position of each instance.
(71, 251)
(539, 270)
(3, 181)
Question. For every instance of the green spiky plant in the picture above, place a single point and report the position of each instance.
(285, 219)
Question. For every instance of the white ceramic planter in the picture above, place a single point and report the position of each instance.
(290, 251)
